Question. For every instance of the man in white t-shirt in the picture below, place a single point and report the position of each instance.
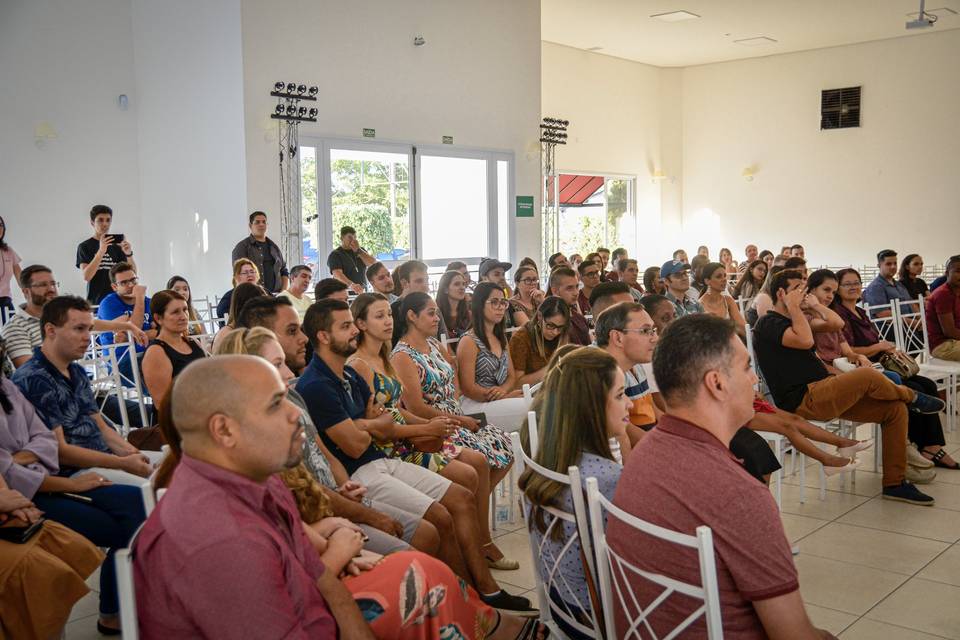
(300, 277)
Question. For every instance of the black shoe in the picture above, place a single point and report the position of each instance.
(926, 404)
(107, 631)
(517, 605)
(906, 492)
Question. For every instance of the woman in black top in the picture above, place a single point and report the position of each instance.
(910, 269)
(171, 352)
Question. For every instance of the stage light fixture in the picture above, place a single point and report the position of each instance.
(278, 86)
(291, 87)
(313, 91)
(313, 113)
(301, 89)
(291, 110)
(301, 112)
(279, 110)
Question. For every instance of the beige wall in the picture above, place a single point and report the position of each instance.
(477, 79)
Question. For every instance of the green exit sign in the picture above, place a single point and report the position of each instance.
(524, 206)
(369, 133)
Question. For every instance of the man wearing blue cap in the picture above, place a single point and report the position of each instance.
(676, 278)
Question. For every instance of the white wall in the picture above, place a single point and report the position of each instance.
(614, 109)
(189, 74)
(65, 63)
(843, 194)
(477, 79)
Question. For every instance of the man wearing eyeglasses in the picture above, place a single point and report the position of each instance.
(128, 302)
(22, 332)
(590, 277)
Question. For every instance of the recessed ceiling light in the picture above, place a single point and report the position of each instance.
(942, 11)
(675, 16)
(759, 41)
(594, 48)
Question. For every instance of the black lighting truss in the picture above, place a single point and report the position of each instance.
(289, 113)
(553, 131)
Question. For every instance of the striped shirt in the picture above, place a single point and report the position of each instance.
(21, 333)
(637, 388)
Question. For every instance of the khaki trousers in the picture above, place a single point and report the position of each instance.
(865, 395)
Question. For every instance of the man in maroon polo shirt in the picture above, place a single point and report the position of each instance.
(224, 555)
(682, 475)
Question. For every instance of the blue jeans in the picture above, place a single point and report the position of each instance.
(109, 521)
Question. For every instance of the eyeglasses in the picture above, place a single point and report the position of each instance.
(554, 327)
(591, 274)
(497, 303)
(44, 285)
(850, 285)
(530, 281)
(248, 273)
(646, 331)
(128, 283)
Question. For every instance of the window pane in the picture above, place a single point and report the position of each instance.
(371, 194)
(581, 214)
(453, 207)
(308, 207)
(621, 218)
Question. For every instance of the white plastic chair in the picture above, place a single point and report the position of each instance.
(614, 573)
(546, 566)
(529, 390)
(125, 590)
(101, 365)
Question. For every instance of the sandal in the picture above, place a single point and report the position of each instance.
(937, 459)
(532, 629)
(503, 564)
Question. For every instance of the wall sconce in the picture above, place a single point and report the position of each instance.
(748, 173)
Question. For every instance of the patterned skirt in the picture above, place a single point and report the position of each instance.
(405, 451)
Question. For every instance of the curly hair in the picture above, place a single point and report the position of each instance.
(312, 503)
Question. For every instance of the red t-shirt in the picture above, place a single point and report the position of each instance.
(942, 300)
(680, 477)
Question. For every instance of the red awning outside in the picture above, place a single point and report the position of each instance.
(575, 190)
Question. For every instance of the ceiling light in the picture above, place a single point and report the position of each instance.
(759, 41)
(675, 16)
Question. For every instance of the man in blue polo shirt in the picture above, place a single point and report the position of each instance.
(342, 408)
(128, 302)
(676, 279)
(885, 288)
(60, 391)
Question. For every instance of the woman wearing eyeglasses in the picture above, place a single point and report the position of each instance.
(9, 268)
(527, 295)
(487, 377)
(244, 270)
(532, 346)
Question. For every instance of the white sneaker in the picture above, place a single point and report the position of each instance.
(916, 459)
(920, 476)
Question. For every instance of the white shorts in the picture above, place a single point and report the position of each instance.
(406, 486)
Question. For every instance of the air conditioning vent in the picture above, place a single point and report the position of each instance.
(840, 108)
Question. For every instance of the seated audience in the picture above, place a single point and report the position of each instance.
(676, 278)
(59, 389)
(129, 302)
(348, 262)
(181, 286)
(98, 254)
(574, 261)
(590, 277)
(660, 310)
(430, 386)
(558, 260)
(22, 331)
(751, 280)
(627, 333)
(583, 408)
(421, 441)
(683, 475)
(911, 276)
(532, 346)
(242, 294)
(50, 568)
(796, 251)
(488, 380)
(652, 282)
(607, 294)
(89, 504)
(264, 253)
(331, 289)
(752, 254)
(382, 282)
(244, 271)
(796, 263)
(171, 351)
(800, 384)
(527, 261)
(681, 255)
(563, 284)
(527, 295)
(940, 280)
(457, 265)
(493, 270)
(614, 274)
(340, 404)
(388, 528)
(278, 315)
(763, 301)
(452, 302)
(190, 574)
(697, 286)
(943, 315)
(716, 301)
(300, 277)
(704, 250)
(885, 288)
(604, 259)
(726, 259)
(411, 276)
(628, 272)
(767, 256)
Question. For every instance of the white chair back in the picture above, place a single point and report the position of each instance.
(615, 572)
(547, 563)
(532, 433)
(886, 324)
(529, 390)
(128, 597)
(101, 365)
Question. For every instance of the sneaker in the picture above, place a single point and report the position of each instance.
(906, 492)
(916, 459)
(517, 605)
(923, 403)
(920, 476)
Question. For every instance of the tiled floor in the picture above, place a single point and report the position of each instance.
(869, 569)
